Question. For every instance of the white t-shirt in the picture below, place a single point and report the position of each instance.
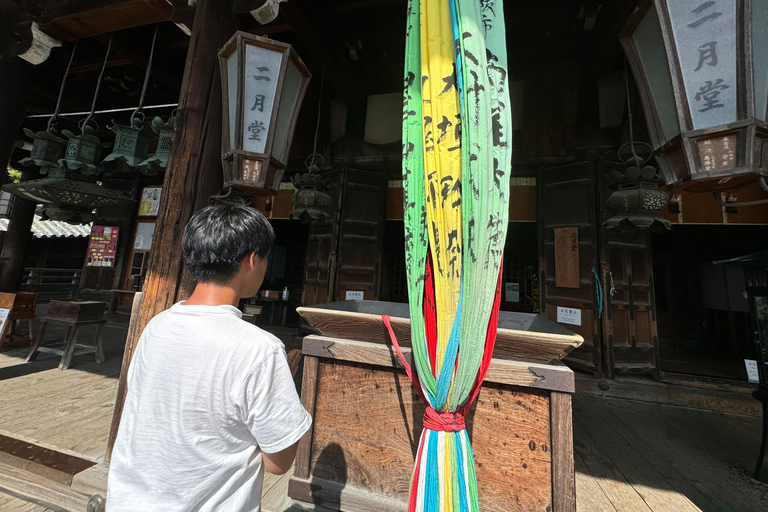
(207, 393)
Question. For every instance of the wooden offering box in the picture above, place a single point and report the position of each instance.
(76, 310)
(359, 454)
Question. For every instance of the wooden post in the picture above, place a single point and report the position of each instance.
(14, 75)
(194, 167)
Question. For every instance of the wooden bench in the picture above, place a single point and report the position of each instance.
(73, 315)
(21, 306)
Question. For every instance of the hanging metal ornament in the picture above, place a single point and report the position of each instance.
(636, 199)
(159, 161)
(84, 150)
(47, 146)
(311, 200)
(132, 143)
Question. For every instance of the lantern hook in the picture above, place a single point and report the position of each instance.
(637, 160)
(55, 115)
(137, 112)
(98, 86)
(310, 164)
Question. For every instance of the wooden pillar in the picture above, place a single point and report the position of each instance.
(193, 173)
(14, 75)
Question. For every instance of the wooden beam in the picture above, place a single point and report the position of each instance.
(93, 64)
(563, 476)
(140, 61)
(276, 28)
(88, 18)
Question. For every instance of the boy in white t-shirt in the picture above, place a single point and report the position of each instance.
(211, 400)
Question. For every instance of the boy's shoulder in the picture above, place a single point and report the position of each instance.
(229, 328)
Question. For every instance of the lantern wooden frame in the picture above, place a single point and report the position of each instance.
(686, 159)
(249, 172)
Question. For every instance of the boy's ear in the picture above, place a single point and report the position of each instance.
(252, 261)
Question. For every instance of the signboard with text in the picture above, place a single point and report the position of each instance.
(102, 246)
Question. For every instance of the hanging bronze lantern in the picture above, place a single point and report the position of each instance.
(310, 202)
(636, 200)
(263, 86)
(132, 144)
(83, 151)
(47, 150)
(159, 161)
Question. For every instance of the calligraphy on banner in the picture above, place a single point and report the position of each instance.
(705, 36)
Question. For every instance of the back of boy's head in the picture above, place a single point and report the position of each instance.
(219, 237)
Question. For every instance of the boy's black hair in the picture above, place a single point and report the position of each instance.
(219, 237)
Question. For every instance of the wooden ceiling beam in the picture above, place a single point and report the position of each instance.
(91, 64)
(271, 28)
(79, 19)
(140, 61)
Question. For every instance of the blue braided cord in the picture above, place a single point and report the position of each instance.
(432, 479)
(599, 293)
(445, 376)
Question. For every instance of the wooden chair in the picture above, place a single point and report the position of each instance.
(73, 315)
(21, 306)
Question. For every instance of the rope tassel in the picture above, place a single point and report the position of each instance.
(456, 167)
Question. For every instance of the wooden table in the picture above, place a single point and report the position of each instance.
(73, 315)
(22, 307)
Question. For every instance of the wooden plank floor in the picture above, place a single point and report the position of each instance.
(637, 456)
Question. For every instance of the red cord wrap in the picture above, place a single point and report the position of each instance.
(443, 421)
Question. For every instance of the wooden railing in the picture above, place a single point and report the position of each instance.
(52, 283)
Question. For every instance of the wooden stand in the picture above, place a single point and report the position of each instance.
(22, 307)
(73, 315)
(359, 454)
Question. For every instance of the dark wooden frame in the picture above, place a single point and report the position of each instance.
(235, 158)
(556, 381)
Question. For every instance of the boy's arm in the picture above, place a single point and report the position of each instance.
(279, 463)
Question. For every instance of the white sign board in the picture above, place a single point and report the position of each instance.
(752, 374)
(354, 295)
(145, 231)
(3, 316)
(512, 292)
(569, 316)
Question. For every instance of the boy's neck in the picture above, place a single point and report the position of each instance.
(211, 294)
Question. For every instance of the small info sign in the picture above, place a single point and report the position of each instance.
(352, 295)
(570, 316)
(512, 292)
(752, 373)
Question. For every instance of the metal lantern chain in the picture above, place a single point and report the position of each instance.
(84, 151)
(55, 115)
(98, 87)
(146, 77)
